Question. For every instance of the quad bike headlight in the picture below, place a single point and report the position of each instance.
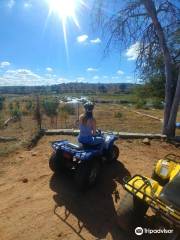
(164, 171)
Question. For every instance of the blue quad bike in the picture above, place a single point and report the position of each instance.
(84, 161)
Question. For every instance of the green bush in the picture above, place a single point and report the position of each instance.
(157, 104)
(1, 121)
(29, 106)
(118, 115)
(17, 105)
(2, 99)
(141, 103)
(50, 107)
(17, 114)
(10, 106)
(68, 108)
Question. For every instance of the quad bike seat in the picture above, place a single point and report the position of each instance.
(170, 194)
(74, 146)
(82, 146)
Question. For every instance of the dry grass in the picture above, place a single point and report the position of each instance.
(109, 117)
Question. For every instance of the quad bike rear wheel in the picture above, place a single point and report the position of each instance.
(131, 212)
(113, 154)
(55, 162)
(86, 174)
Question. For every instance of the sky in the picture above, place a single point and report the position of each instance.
(52, 41)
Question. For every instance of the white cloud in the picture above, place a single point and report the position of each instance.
(120, 72)
(81, 79)
(90, 69)
(49, 69)
(26, 77)
(95, 41)
(132, 51)
(21, 74)
(96, 77)
(4, 64)
(82, 38)
(21, 77)
(11, 3)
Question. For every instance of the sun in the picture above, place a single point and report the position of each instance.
(65, 9)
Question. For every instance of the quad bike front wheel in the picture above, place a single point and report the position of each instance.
(87, 174)
(113, 154)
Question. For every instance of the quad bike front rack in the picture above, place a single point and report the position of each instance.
(155, 203)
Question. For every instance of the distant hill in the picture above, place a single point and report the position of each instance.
(85, 88)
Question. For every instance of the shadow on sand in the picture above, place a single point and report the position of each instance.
(93, 210)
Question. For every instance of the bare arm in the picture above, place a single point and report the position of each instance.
(94, 127)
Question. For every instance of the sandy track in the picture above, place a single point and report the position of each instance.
(49, 206)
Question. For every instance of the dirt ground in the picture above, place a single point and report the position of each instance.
(36, 204)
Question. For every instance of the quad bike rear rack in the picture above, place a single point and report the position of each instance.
(155, 203)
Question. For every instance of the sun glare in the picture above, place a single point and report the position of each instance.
(65, 9)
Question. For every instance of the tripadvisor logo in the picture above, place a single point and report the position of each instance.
(139, 231)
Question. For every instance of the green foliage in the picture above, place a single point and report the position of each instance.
(10, 106)
(16, 113)
(156, 86)
(157, 103)
(118, 115)
(102, 89)
(29, 106)
(140, 91)
(1, 121)
(50, 107)
(2, 99)
(17, 105)
(68, 108)
(141, 103)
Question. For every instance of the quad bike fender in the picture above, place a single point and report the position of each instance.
(58, 144)
(87, 155)
(109, 141)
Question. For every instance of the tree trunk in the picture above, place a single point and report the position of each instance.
(170, 83)
(171, 127)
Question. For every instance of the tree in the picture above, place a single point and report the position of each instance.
(154, 81)
(29, 106)
(2, 99)
(10, 106)
(150, 24)
(16, 114)
(51, 109)
(102, 89)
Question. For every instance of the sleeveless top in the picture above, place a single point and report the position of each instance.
(85, 131)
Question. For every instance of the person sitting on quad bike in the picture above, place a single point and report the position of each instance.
(87, 126)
